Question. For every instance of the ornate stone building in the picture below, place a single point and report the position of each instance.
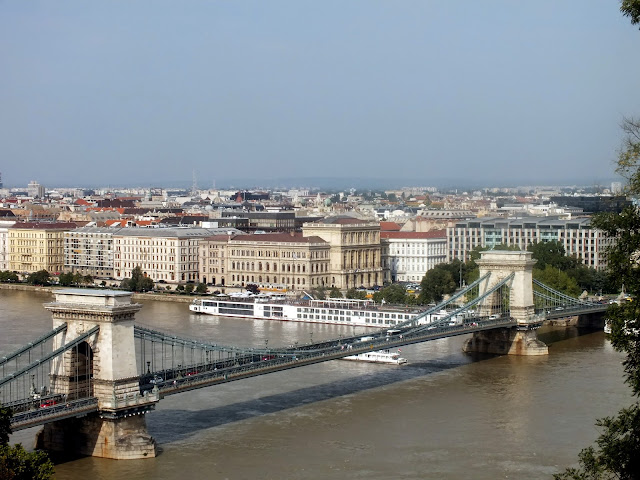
(276, 261)
(355, 250)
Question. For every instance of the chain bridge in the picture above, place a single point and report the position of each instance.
(91, 380)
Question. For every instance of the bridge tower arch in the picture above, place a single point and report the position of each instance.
(104, 366)
(519, 340)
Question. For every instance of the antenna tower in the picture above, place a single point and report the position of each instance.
(194, 186)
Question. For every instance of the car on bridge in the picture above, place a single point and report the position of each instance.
(156, 380)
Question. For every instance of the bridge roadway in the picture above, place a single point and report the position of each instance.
(29, 413)
(265, 361)
(552, 313)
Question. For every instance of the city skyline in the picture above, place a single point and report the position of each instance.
(252, 94)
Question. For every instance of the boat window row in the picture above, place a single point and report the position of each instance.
(348, 313)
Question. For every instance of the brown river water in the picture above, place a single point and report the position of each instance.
(444, 415)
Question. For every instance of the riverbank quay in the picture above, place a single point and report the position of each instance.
(161, 297)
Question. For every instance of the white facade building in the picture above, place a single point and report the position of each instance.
(4, 243)
(409, 255)
(164, 254)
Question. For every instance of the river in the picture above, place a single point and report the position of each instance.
(444, 415)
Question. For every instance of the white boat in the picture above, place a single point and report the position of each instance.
(607, 326)
(379, 356)
(339, 311)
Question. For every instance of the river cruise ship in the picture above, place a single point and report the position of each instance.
(339, 311)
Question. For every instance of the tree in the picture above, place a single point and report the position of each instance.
(15, 462)
(41, 277)
(356, 294)
(392, 294)
(319, 293)
(8, 276)
(188, 288)
(65, 279)
(138, 281)
(631, 9)
(201, 288)
(615, 454)
(558, 280)
(335, 293)
(253, 288)
(436, 283)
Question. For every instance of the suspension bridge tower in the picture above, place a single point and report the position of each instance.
(521, 339)
(104, 367)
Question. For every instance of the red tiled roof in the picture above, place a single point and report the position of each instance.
(45, 225)
(409, 235)
(389, 227)
(278, 237)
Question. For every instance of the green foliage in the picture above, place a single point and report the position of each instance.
(5, 425)
(18, 464)
(8, 276)
(392, 294)
(558, 280)
(631, 9)
(15, 462)
(188, 288)
(41, 277)
(65, 279)
(615, 454)
(551, 253)
(438, 282)
(138, 282)
(201, 288)
(356, 294)
(335, 293)
(319, 293)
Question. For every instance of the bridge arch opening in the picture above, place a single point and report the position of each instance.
(81, 371)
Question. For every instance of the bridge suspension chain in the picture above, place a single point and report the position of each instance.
(465, 307)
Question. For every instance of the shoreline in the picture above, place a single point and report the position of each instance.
(161, 297)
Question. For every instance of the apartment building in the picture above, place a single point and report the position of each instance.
(164, 254)
(35, 246)
(89, 251)
(273, 261)
(355, 258)
(576, 235)
(409, 255)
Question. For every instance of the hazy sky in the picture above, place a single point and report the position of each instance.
(147, 92)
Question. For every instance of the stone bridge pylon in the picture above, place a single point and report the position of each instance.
(519, 340)
(104, 367)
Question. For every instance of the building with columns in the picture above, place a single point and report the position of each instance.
(355, 257)
(273, 261)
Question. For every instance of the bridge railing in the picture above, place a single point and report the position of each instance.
(53, 412)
